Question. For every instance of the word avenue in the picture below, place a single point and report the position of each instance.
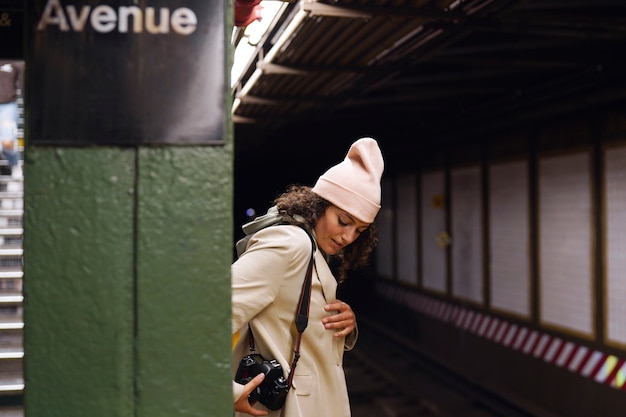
(105, 19)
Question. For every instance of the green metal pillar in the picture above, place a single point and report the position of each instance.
(127, 253)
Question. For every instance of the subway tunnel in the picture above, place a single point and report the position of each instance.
(499, 257)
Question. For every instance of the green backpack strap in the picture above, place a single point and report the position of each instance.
(271, 218)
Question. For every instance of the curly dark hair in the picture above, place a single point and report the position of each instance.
(301, 200)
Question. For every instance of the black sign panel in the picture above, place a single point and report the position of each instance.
(11, 30)
(125, 72)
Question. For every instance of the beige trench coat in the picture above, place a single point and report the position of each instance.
(266, 285)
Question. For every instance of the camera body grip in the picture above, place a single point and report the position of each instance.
(272, 392)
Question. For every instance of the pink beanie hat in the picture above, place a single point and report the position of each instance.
(353, 185)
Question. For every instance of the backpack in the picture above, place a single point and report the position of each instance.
(272, 218)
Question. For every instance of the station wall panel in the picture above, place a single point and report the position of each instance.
(615, 240)
(565, 236)
(433, 259)
(467, 240)
(407, 231)
(509, 246)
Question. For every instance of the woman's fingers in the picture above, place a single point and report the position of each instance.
(243, 405)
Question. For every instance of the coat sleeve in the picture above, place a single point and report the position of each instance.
(256, 277)
(237, 391)
(351, 339)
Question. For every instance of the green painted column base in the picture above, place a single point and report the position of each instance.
(127, 258)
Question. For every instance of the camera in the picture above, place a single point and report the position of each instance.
(272, 392)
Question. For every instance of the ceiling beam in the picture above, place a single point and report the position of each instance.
(271, 68)
(359, 12)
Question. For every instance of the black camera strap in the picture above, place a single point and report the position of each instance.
(302, 314)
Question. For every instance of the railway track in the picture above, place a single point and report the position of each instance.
(389, 377)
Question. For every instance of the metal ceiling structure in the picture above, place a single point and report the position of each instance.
(426, 70)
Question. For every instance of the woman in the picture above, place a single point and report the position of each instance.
(267, 281)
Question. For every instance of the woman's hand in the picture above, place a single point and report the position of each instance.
(243, 405)
(343, 318)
